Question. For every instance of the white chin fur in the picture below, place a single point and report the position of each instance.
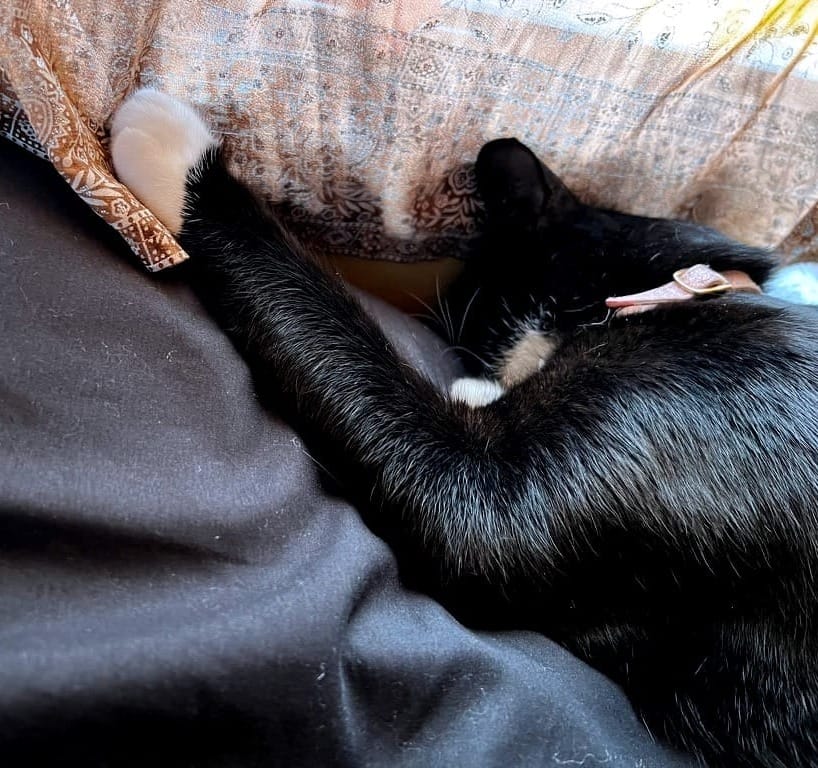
(475, 392)
(155, 141)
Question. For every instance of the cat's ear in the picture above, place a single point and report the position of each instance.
(516, 186)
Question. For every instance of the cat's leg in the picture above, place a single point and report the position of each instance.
(439, 465)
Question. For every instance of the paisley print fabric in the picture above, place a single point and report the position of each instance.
(358, 121)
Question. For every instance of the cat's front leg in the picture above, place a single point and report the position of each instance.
(435, 467)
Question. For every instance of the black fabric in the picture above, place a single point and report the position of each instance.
(175, 586)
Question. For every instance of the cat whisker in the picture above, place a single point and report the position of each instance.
(457, 348)
(449, 325)
(605, 320)
(434, 316)
(424, 316)
(465, 315)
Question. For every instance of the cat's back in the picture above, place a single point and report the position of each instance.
(699, 406)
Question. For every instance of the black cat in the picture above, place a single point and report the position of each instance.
(642, 488)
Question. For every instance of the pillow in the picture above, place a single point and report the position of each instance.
(359, 121)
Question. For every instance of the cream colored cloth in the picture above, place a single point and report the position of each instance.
(358, 121)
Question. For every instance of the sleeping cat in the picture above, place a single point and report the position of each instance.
(640, 486)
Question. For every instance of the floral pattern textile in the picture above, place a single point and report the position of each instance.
(358, 121)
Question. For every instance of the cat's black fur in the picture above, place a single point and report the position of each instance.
(648, 499)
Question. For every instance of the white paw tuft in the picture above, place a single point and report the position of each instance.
(797, 283)
(155, 141)
(475, 392)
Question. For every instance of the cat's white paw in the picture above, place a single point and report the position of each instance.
(155, 141)
(475, 392)
(797, 283)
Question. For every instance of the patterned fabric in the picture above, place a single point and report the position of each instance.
(359, 121)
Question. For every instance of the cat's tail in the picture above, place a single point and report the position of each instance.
(156, 141)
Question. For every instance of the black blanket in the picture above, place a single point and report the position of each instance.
(175, 586)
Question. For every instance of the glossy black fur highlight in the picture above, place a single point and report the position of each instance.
(648, 498)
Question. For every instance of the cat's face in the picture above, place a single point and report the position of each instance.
(551, 261)
(539, 228)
